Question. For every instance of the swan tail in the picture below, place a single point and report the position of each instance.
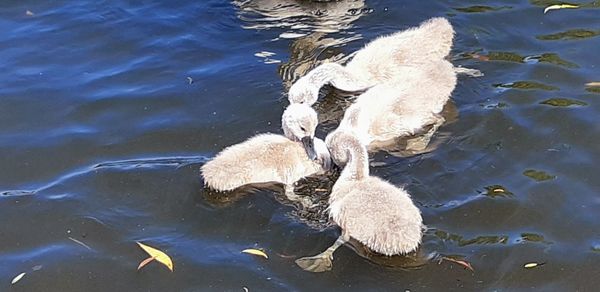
(222, 176)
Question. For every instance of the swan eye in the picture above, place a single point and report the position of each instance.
(302, 128)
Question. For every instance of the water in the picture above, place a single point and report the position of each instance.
(108, 110)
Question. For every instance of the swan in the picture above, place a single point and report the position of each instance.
(404, 108)
(272, 157)
(379, 61)
(368, 209)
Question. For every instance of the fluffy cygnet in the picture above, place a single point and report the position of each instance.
(271, 157)
(379, 61)
(374, 212)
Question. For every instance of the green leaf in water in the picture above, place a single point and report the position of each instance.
(480, 8)
(506, 56)
(533, 237)
(530, 85)
(563, 102)
(556, 60)
(493, 239)
(538, 175)
(573, 34)
(593, 87)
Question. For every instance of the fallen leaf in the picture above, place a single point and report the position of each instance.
(245, 289)
(17, 278)
(538, 175)
(593, 84)
(190, 80)
(560, 6)
(256, 252)
(563, 102)
(157, 255)
(465, 264)
(532, 265)
(29, 13)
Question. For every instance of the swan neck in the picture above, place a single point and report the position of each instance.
(357, 167)
(324, 74)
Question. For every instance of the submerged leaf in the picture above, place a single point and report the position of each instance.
(563, 102)
(489, 239)
(528, 85)
(560, 6)
(479, 9)
(17, 278)
(569, 35)
(538, 175)
(553, 58)
(157, 255)
(257, 252)
(593, 89)
(532, 237)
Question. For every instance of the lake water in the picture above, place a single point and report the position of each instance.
(109, 108)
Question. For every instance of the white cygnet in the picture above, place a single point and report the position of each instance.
(379, 61)
(271, 157)
(368, 209)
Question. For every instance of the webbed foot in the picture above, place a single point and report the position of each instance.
(316, 264)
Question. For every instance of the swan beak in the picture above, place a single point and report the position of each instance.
(309, 147)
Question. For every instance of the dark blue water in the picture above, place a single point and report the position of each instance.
(108, 109)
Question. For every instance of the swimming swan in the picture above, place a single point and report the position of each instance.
(368, 209)
(379, 61)
(402, 108)
(271, 157)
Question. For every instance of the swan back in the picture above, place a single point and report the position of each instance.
(379, 60)
(378, 214)
(262, 158)
(403, 106)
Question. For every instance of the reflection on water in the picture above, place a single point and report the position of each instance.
(300, 17)
(310, 25)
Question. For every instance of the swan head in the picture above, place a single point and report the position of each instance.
(303, 92)
(299, 122)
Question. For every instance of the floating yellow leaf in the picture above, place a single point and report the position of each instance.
(17, 278)
(532, 265)
(257, 252)
(157, 255)
(593, 84)
(560, 6)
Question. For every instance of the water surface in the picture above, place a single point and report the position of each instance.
(108, 110)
